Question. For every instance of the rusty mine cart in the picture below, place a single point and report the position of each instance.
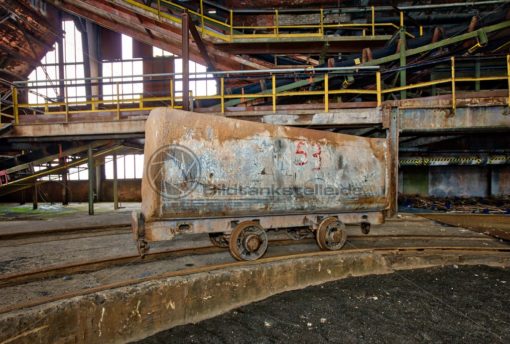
(236, 179)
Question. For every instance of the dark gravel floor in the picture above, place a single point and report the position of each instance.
(440, 305)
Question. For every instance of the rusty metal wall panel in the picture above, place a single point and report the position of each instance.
(465, 118)
(200, 165)
(154, 86)
(142, 50)
(111, 45)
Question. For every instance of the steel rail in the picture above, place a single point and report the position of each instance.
(96, 265)
(68, 236)
(394, 250)
(63, 231)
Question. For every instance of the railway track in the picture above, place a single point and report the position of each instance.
(23, 278)
(14, 239)
(441, 243)
(96, 265)
(35, 237)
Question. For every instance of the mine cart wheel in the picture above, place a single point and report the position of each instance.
(331, 234)
(248, 241)
(298, 233)
(142, 247)
(219, 239)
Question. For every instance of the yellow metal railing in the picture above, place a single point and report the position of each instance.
(452, 80)
(226, 31)
(119, 103)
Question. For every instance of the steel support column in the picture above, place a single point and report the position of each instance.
(99, 177)
(393, 137)
(61, 67)
(489, 180)
(95, 67)
(508, 74)
(403, 63)
(185, 61)
(81, 25)
(91, 171)
(65, 186)
(115, 184)
(22, 197)
(35, 196)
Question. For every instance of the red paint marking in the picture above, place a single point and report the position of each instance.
(317, 156)
(300, 151)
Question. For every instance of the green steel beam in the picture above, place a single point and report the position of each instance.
(68, 152)
(288, 87)
(440, 44)
(57, 169)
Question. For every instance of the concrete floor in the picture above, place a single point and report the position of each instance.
(21, 255)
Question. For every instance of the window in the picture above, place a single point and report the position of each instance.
(80, 172)
(48, 177)
(45, 86)
(122, 79)
(156, 52)
(123, 76)
(75, 173)
(200, 85)
(47, 72)
(128, 166)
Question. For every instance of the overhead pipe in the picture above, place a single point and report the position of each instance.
(472, 27)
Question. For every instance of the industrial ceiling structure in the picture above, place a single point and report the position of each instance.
(435, 71)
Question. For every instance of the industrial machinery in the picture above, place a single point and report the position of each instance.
(236, 179)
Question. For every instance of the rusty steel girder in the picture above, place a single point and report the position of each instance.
(206, 173)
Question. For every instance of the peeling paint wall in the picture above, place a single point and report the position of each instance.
(500, 183)
(455, 181)
(467, 181)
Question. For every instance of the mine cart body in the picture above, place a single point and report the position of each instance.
(211, 174)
